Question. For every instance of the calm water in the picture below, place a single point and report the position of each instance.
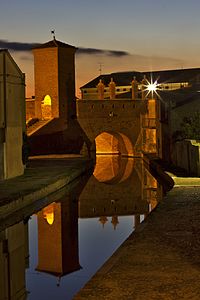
(62, 246)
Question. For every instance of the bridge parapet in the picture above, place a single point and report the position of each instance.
(110, 108)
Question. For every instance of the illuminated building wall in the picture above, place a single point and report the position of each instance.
(119, 119)
(151, 127)
(54, 76)
(55, 129)
(12, 116)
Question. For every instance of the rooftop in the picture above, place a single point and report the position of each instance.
(166, 76)
(53, 44)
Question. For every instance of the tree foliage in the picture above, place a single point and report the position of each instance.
(190, 128)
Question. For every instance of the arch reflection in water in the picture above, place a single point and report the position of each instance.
(119, 186)
(112, 168)
(109, 207)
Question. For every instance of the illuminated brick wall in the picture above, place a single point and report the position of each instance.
(55, 76)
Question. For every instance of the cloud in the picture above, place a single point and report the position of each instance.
(18, 46)
(94, 51)
(108, 58)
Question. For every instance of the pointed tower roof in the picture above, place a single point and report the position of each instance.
(54, 44)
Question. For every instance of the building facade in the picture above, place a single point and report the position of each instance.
(54, 80)
(51, 115)
(167, 80)
(176, 97)
(12, 116)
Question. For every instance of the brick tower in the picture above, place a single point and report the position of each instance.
(54, 69)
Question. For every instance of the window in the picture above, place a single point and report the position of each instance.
(47, 100)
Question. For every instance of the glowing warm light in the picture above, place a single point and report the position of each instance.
(48, 213)
(47, 100)
(152, 87)
(50, 218)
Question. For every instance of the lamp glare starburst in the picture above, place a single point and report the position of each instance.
(152, 87)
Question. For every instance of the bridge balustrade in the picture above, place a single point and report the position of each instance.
(110, 108)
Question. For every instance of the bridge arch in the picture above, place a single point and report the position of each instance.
(109, 142)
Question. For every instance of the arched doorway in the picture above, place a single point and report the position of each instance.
(46, 108)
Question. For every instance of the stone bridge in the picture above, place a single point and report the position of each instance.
(67, 125)
(113, 126)
(121, 127)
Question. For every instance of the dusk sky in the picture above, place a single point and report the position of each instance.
(154, 34)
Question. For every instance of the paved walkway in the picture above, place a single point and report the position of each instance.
(161, 259)
(44, 176)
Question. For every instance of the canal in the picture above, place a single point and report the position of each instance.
(52, 253)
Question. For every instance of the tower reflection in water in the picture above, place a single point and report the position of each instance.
(73, 236)
(58, 238)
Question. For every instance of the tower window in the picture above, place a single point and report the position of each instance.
(47, 100)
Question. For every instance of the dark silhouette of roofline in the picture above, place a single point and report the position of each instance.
(164, 76)
(54, 44)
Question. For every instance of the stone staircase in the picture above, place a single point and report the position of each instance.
(36, 126)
